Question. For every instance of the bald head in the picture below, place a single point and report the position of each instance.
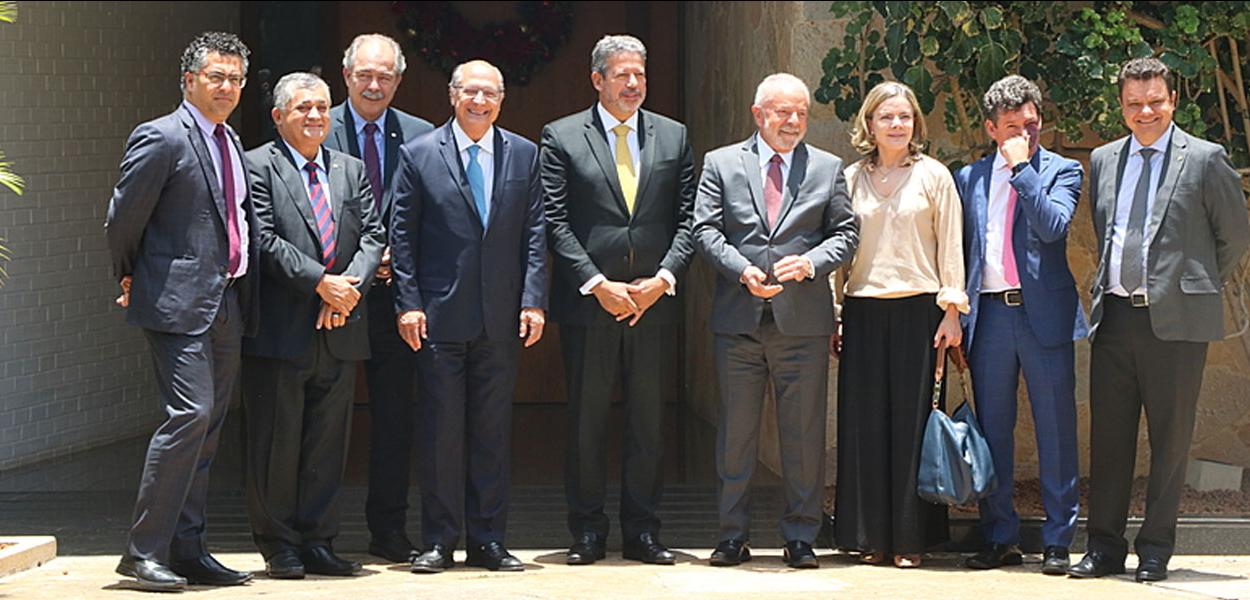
(476, 93)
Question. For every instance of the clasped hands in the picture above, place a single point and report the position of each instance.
(338, 299)
(789, 268)
(630, 300)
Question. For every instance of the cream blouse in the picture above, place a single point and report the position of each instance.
(910, 242)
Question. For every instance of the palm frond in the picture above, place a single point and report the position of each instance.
(8, 11)
(9, 179)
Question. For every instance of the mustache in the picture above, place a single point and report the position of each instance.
(372, 95)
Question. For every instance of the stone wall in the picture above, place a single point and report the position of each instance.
(75, 78)
(730, 47)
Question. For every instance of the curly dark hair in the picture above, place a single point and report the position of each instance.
(1008, 94)
(1143, 69)
(225, 44)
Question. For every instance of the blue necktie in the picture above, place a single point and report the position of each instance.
(477, 182)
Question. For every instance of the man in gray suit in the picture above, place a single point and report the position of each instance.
(184, 251)
(320, 244)
(1171, 224)
(368, 128)
(772, 215)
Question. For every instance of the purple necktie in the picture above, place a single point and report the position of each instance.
(372, 168)
(321, 212)
(772, 191)
(227, 188)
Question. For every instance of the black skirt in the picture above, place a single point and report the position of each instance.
(885, 384)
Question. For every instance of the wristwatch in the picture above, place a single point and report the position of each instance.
(1019, 167)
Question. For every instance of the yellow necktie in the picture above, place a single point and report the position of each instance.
(625, 166)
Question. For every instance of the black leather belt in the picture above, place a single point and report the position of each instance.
(230, 281)
(1136, 299)
(1009, 297)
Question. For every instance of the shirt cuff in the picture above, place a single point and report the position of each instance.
(590, 285)
(667, 275)
(811, 268)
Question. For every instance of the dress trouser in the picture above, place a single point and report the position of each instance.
(465, 438)
(197, 377)
(298, 421)
(1130, 369)
(391, 376)
(798, 368)
(595, 360)
(1004, 346)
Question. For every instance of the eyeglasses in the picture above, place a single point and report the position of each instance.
(383, 77)
(489, 94)
(217, 79)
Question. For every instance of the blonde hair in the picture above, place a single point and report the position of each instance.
(861, 133)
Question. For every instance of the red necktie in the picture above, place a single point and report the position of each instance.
(227, 189)
(321, 211)
(1009, 254)
(772, 191)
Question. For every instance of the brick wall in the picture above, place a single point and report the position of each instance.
(75, 78)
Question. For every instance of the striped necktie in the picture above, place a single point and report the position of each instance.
(323, 215)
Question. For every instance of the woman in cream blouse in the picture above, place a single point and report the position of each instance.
(902, 299)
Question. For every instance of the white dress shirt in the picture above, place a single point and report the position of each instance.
(993, 279)
(766, 153)
(240, 182)
(379, 140)
(1124, 205)
(485, 157)
(323, 174)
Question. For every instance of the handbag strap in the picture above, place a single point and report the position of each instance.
(958, 359)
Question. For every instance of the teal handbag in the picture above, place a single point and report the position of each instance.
(955, 462)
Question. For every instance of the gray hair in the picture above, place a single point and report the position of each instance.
(349, 55)
(611, 45)
(226, 44)
(286, 87)
(1008, 94)
(776, 81)
(456, 74)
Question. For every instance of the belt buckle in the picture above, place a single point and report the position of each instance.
(1013, 298)
(1139, 299)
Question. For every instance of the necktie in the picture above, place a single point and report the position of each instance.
(477, 182)
(1009, 253)
(625, 166)
(323, 215)
(1131, 256)
(772, 191)
(227, 188)
(372, 164)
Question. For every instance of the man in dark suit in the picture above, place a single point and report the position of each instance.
(368, 128)
(183, 244)
(1171, 224)
(469, 254)
(320, 243)
(1018, 203)
(773, 247)
(621, 237)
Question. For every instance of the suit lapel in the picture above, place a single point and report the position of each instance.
(603, 155)
(348, 132)
(502, 157)
(196, 137)
(451, 157)
(1114, 196)
(646, 139)
(284, 165)
(798, 171)
(339, 190)
(394, 139)
(983, 174)
(1173, 163)
(751, 166)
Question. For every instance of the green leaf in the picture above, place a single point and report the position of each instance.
(921, 82)
(894, 41)
(992, 17)
(1093, 40)
(9, 179)
(8, 12)
(929, 47)
(957, 12)
(990, 65)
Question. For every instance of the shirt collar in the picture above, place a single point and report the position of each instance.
(610, 121)
(1000, 163)
(1160, 145)
(360, 121)
(207, 126)
(463, 141)
(767, 152)
(300, 161)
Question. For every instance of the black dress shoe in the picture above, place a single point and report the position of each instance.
(150, 574)
(646, 548)
(493, 556)
(1151, 569)
(205, 570)
(586, 550)
(730, 553)
(321, 560)
(284, 564)
(393, 546)
(435, 560)
(995, 556)
(1096, 564)
(825, 537)
(1055, 560)
(799, 555)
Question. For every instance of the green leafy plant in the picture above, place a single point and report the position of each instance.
(10, 180)
(949, 52)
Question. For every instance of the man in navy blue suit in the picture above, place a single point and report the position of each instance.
(469, 254)
(1018, 204)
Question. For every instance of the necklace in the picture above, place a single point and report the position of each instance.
(884, 173)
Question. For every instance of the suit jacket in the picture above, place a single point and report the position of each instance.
(398, 128)
(1047, 192)
(591, 230)
(1197, 233)
(166, 227)
(291, 251)
(465, 277)
(732, 234)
